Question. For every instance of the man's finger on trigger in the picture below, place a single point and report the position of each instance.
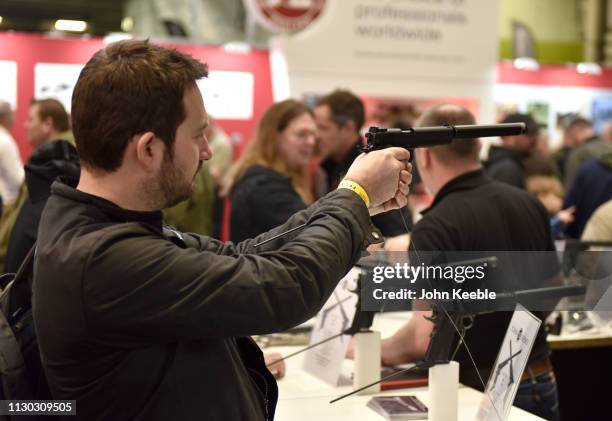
(400, 154)
(400, 200)
(404, 199)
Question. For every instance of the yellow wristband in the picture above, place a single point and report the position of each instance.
(351, 185)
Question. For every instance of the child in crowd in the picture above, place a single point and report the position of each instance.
(549, 191)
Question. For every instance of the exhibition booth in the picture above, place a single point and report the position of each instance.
(241, 86)
(377, 53)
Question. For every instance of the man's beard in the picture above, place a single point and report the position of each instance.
(170, 187)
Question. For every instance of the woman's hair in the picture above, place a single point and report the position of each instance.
(263, 149)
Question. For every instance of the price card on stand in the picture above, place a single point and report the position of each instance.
(325, 361)
(509, 366)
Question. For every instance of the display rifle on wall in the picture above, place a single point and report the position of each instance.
(424, 137)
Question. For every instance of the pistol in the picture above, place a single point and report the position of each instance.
(426, 137)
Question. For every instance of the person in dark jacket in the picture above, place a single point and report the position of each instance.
(271, 181)
(46, 122)
(340, 115)
(505, 162)
(592, 187)
(578, 131)
(138, 322)
(49, 161)
(589, 145)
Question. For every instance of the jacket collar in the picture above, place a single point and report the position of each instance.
(47, 162)
(466, 181)
(330, 166)
(67, 189)
(499, 153)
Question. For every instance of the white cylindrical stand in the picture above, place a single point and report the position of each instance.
(367, 361)
(443, 392)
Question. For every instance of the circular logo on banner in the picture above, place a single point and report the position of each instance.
(286, 15)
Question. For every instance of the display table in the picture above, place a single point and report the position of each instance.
(587, 339)
(582, 363)
(579, 359)
(304, 397)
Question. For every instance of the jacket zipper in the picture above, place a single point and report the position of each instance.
(265, 395)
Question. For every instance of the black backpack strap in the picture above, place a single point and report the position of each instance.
(27, 266)
(12, 364)
(21, 294)
(15, 299)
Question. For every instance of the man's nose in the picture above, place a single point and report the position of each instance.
(311, 140)
(205, 151)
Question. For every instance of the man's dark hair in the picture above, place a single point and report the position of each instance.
(444, 114)
(53, 109)
(578, 122)
(127, 88)
(344, 106)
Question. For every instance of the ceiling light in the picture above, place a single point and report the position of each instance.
(589, 69)
(70, 25)
(237, 47)
(116, 36)
(127, 24)
(1, 19)
(526, 63)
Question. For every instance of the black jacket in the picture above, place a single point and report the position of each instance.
(261, 200)
(134, 327)
(506, 166)
(592, 187)
(49, 161)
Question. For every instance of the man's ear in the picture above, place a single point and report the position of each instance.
(149, 150)
(350, 128)
(48, 123)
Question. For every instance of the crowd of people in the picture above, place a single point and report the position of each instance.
(298, 155)
(133, 305)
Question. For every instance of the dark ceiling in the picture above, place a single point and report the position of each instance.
(102, 16)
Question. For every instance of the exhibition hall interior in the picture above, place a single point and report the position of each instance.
(306, 210)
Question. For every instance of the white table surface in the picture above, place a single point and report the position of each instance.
(303, 397)
(594, 338)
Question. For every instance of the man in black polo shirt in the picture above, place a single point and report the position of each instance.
(340, 116)
(471, 212)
